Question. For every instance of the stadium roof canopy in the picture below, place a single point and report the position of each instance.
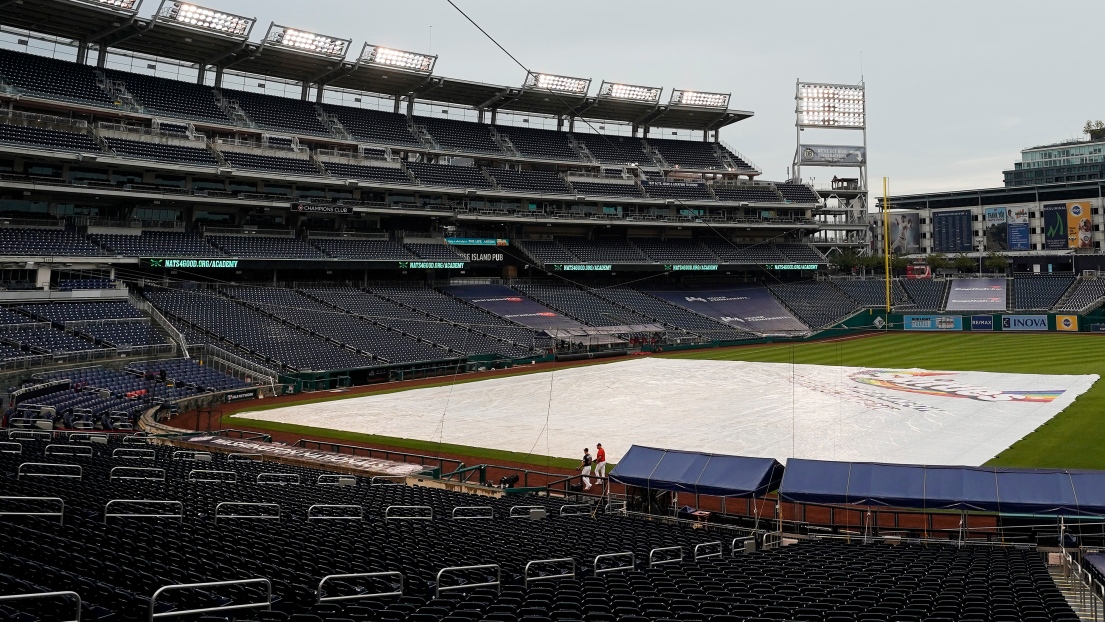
(697, 473)
(116, 24)
(1056, 492)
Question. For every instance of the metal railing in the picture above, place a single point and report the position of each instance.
(579, 509)
(245, 457)
(359, 516)
(177, 504)
(514, 513)
(19, 471)
(411, 516)
(129, 469)
(244, 504)
(87, 437)
(716, 547)
(387, 480)
(135, 439)
(45, 595)
(278, 478)
(203, 476)
(627, 554)
(490, 512)
(8, 447)
(652, 561)
(29, 435)
(67, 450)
(332, 479)
(361, 595)
(568, 575)
(60, 513)
(192, 455)
(184, 612)
(127, 453)
(464, 586)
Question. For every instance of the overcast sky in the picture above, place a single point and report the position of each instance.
(954, 88)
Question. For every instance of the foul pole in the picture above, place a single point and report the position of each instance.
(886, 239)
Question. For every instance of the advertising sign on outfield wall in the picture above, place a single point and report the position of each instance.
(982, 322)
(932, 322)
(1024, 322)
(1066, 323)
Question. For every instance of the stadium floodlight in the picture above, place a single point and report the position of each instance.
(123, 5)
(560, 84)
(195, 16)
(831, 105)
(700, 99)
(631, 92)
(304, 41)
(413, 61)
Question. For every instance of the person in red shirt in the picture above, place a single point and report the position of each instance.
(600, 461)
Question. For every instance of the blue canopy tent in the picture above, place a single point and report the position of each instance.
(697, 473)
(1056, 492)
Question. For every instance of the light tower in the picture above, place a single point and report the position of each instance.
(820, 107)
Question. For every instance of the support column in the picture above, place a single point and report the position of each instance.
(494, 115)
(101, 56)
(305, 91)
(82, 52)
(559, 122)
(635, 128)
(571, 124)
(219, 77)
(397, 100)
(42, 278)
(481, 115)
(319, 90)
(410, 105)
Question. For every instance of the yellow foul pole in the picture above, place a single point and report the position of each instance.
(886, 237)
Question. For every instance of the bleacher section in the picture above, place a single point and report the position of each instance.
(282, 114)
(687, 154)
(164, 152)
(582, 305)
(817, 303)
(603, 250)
(67, 312)
(38, 76)
(872, 292)
(620, 150)
(269, 163)
(48, 139)
(58, 242)
(374, 126)
(1039, 293)
(448, 175)
(677, 190)
(384, 174)
(925, 294)
(434, 251)
(436, 304)
(796, 193)
(675, 251)
(155, 244)
(264, 246)
(801, 253)
(173, 98)
(460, 135)
(540, 182)
(540, 144)
(547, 251)
(602, 189)
(362, 248)
(1086, 294)
(749, 194)
(730, 252)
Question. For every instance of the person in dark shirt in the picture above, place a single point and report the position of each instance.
(585, 468)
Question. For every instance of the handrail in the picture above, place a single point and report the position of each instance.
(244, 457)
(339, 480)
(364, 575)
(234, 480)
(609, 508)
(525, 572)
(665, 549)
(89, 437)
(388, 516)
(527, 508)
(60, 513)
(177, 504)
(111, 474)
(19, 472)
(490, 512)
(705, 555)
(143, 454)
(385, 480)
(34, 435)
(134, 439)
(632, 562)
(246, 504)
(587, 508)
(278, 475)
(10, 447)
(497, 582)
(359, 516)
(55, 447)
(166, 614)
(742, 540)
(77, 618)
(193, 455)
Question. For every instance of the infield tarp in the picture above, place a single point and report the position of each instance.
(1031, 491)
(511, 305)
(697, 473)
(750, 308)
(977, 295)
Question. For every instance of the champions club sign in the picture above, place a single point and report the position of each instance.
(944, 384)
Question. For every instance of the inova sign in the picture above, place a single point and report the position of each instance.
(1024, 322)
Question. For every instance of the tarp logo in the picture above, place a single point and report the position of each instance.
(943, 384)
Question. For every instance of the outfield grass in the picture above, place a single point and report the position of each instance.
(1075, 438)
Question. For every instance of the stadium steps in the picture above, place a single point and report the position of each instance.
(947, 294)
(1065, 298)
(1010, 295)
(1076, 597)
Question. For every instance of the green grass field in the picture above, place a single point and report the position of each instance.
(1075, 438)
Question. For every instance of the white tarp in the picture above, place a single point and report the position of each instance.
(770, 410)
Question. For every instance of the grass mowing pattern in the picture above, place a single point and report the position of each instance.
(1075, 438)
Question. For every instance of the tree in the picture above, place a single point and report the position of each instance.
(846, 260)
(964, 263)
(871, 262)
(898, 263)
(938, 261)
(996, 263)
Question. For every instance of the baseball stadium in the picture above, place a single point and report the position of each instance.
(294, 328)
